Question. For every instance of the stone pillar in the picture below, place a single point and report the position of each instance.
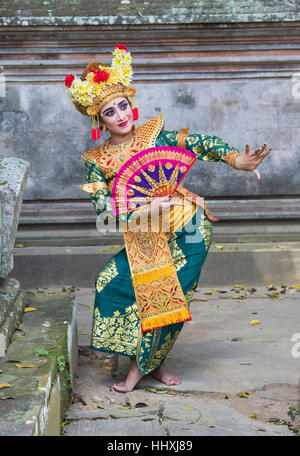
(13, 176)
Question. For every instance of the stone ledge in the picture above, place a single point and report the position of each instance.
(36, 401)
(244, 263)
(12, 303)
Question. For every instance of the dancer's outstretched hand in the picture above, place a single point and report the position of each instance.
(250, 159)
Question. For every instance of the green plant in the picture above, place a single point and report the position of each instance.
(67, 381)
(41, 352)
(61, 363)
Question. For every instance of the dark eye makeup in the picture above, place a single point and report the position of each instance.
(123, 105)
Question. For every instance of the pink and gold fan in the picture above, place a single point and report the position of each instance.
(154, 172)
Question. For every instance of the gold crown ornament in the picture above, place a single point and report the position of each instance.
(99, 84)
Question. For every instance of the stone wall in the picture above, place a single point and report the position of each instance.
(229, 69)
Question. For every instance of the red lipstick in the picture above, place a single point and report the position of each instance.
(123, 124)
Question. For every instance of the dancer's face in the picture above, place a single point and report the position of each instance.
(117, 116)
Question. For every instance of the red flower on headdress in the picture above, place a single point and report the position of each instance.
(69, 80)
(120, 46)
(101, 76)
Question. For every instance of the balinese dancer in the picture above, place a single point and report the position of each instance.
(142, 295)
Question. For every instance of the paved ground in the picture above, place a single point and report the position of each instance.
(238, 378)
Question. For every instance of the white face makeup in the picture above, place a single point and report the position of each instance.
(117, 117)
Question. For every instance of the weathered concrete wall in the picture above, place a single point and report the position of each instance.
(230, 69)
(39, 124)
(115, 12)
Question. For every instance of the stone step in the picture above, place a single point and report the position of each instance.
(63, 223)
(36, 401)
(244, 263)
(12, 303)
(56, 234)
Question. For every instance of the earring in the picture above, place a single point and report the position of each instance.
(98, 128)
(135, 110)
(94, 131)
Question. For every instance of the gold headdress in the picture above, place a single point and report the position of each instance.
(99, 84)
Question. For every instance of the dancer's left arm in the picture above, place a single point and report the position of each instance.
(213, 148)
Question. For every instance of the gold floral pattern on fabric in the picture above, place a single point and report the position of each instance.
(158, 354)
(158, 292)
(106, 275)
(157, 248)
(205, 229)
(153, 346)
(178, 255)
(207, 148)
(118, 333)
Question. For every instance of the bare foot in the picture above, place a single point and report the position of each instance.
(166, 377)
(133, 377)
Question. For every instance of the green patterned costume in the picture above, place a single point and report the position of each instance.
(116, 325)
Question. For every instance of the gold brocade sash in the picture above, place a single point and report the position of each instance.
(159, 296)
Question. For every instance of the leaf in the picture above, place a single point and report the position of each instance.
(259, 429)
(254, 322)
(82, 330)
(26, 365)
(203, 299)
(72, 288)
(191, 322)
(253, 416)
(29, 309)
(242, 395)
(224, 397)
(152, 390)
(273, 420)
(64, 423)
(1, 371)
(107, 367)
(274, 296)
(124, 407)
(215, 306)
(91, 307)
(4, 385)
(281, 246)
(161, 391)
(246, 393)
(19, 245)
(220, 247)
(188, 408)
(140, 405)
